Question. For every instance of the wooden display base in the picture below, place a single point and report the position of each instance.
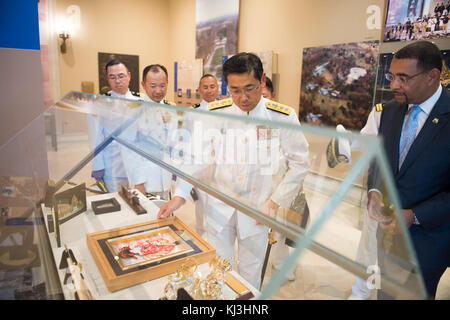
(121, 270)
(132, 200)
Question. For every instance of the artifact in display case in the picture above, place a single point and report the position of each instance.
(66, 205)
(212, 286)
(130, 255)
(132, 199)
(105, 206)
(74, 275)
(70, 203)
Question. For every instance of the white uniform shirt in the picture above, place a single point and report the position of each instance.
(203, 105)
(110, 158)
(277, 173)
(150, 133)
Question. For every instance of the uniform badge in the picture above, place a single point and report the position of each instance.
(435, 120)
(167, 116)
(266, 133)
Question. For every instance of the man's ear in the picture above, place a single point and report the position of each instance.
(263, 80)
(434, 75)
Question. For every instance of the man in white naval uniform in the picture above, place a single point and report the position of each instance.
(262, 186)
(280, 250)
(150, 132)
(208, 89)
(367, 248)
(108, 164)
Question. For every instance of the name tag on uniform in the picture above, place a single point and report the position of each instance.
(266, 133)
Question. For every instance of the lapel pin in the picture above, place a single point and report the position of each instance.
(435, 120)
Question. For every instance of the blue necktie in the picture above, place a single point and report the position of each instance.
(408, 133)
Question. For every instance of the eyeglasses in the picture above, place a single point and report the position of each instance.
(402, 78)
(247, 91)
(120, 76)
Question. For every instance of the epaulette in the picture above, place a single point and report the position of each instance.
(134, 104)
(195, 106)
(220, 104)
(136, 94)
(107, 94)
(379, 107)
(169, 102)
(278, 107)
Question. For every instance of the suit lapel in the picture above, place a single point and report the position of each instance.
(397, 131)
(435, 122)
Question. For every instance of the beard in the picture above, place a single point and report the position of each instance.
(400, 97)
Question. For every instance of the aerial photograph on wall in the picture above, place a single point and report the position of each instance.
(337, 84)
(216, 33)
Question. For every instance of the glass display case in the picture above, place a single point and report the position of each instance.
(301, 185)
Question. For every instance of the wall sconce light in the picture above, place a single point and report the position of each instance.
(64, 36)
(67, 24)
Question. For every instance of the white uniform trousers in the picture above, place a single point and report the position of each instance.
(200, 223)
(366, 254)
(279, 252)
(251, 250)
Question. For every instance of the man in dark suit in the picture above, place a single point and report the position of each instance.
(416, 136)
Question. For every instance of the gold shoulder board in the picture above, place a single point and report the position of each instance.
(169, 102)
(278, 107)
(379, 107)
(220, 104)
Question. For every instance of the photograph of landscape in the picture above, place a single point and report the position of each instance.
(216, 33)
(337, 84)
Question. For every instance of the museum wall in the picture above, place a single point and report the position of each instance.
(163, 31)
(288, 26)
(21, 73)
(132, 27)
(284, 26)
(22, 137)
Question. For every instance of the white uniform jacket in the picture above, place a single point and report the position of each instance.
(110, 158)
(150, 133)
(252, 163)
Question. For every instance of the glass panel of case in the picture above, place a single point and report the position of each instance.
(302, 182)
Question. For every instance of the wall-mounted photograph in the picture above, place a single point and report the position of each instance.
(216, 33)
(337, 84)
(132, 63)
(416, 19)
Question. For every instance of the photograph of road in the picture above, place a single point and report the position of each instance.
(216, 33)
(337, 84)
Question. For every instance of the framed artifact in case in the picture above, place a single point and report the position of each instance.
(129, 255)
(70, 203)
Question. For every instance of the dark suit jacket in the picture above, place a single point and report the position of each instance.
(423, 182)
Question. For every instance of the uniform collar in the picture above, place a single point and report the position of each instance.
(147, 98)
(127, 95)
(255, 111)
